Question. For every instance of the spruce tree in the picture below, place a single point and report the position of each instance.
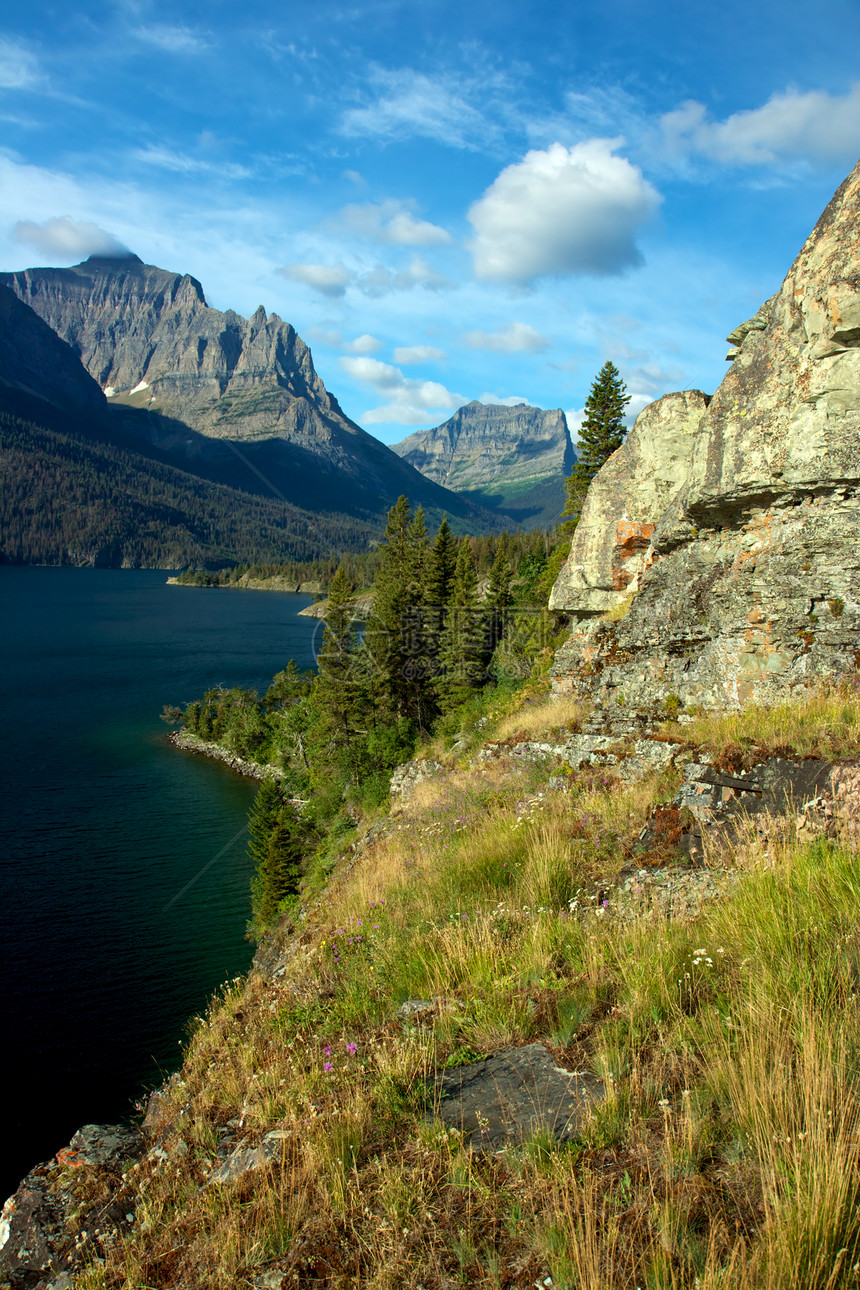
(601, 433)
(441, 563)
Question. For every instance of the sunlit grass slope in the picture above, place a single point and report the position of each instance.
(726, 1151)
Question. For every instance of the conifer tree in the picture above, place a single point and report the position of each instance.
(499, 593)
(441, 563)
(340, 689)
(392, 638)
(280, 871)
(600, 434)
(464, 648)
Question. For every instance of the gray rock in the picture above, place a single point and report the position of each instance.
(407, 777)
(750, 584)
(509, 1097)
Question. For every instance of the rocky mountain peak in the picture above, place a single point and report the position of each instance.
(512, 457)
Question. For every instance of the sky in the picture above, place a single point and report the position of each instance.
(449, 201)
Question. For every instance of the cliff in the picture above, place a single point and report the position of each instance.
(513, 459)
(723, 537)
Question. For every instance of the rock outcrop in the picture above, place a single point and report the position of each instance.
(612, 545)
(514, 459)
(747, 583)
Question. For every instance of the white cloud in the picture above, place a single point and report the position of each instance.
(392, 222)
(410, 104)
(363, 345)
(513, 339)
(814, 126)
(68, 238)
(561, 211)
(408, 402)
(19, 69)
(173, 40)
(505, 400)
(180, 163)
(574, 418)
(407, 354)
(382, 280)
(329, 279)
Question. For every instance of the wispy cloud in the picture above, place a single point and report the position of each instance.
(504, 400)
(814, 126)
(515, 338)
(561, 211)
(407, 104)
(180, 163)
(19, 67)
(172, 40)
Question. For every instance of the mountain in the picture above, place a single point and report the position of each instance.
(81, 486)
(723, 538)
(512, 459)
(235, 400)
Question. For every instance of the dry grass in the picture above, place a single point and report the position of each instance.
(725, 1154)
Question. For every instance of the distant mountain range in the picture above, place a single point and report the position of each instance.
(511, 459)
(212, 399)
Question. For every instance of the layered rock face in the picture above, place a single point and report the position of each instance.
(514, 458)
(149, 338)
(749, 581)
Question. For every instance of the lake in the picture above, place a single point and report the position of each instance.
(103, 825)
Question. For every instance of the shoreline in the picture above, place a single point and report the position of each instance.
(254, 584)
(188, 742)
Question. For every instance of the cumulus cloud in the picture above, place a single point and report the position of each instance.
(19, 69)
(814, 126)
(68, 238)
(392, 222)
(408, 402)
(410, 104)
(516, 338)
(407, 354)
(173, 40)
(363, 345)
(328, 279)
(561, 211)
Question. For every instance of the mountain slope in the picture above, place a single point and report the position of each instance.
(262, 416)
(79, 483)
(513, 459)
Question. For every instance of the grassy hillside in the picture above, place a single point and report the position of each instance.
(511, 897)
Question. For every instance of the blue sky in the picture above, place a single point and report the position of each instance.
(448, 201)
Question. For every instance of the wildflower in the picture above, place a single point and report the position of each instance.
(351, 1049)
(327, 1052)
(327, 1068)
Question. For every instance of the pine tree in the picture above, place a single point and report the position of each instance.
(601, 433)
(440, 566)
(499, 593)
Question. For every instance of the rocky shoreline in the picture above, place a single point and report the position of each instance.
(188, 742)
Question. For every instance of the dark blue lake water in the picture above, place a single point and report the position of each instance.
(103, 823)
